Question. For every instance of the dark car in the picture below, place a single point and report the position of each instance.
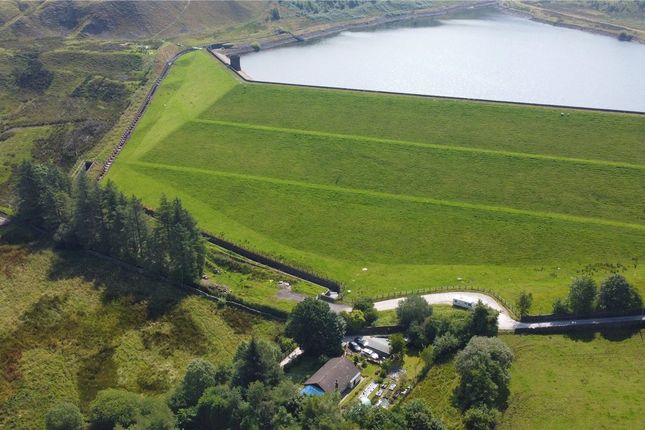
(354, 347)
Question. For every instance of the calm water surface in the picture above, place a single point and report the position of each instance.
(490, 56)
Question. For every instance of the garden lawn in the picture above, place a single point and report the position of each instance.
(420, 191)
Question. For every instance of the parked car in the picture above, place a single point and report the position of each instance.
(354, 347)
(367, 352)
(361, 341)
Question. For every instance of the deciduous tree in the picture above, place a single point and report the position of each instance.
(317, 329)
(616, 294)
(524, 303)
(483, 321)
(582, 295)
(413, 309)
(484, 369)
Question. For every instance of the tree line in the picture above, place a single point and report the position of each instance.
(614, 295)
(252, 393)
(83, 214)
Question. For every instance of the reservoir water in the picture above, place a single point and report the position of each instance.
(487, 55)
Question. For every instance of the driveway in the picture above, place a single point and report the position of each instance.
(505, 322)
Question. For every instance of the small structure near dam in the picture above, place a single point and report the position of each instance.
(235, 62)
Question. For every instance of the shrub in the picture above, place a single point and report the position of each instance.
(366, 306)
(113, 408)
(354, 320)
(480, 418)
(31, 74)
(64, 416)
(560, 307)
(444, 346)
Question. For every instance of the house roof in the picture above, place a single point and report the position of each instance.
(379, 344)
(338, 370)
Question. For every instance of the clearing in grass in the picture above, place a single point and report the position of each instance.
(422, 192)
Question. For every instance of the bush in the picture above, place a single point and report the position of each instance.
(100, 88)
(445, 346)
(31, 74)
(354, 320)
(366, 306)
(113, 408)
(560, 307)
(64, 416)
(480, 418)
(428, 356)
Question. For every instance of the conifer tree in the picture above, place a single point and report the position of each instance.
(86, 216)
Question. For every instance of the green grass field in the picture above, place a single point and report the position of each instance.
(71, 325)
(559, 382)
(599, 379)
(420, 191)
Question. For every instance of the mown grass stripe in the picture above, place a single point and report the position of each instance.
(401, 197)
(423, 145)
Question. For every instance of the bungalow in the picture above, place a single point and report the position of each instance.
(338, 374)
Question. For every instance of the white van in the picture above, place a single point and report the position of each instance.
(460, 302)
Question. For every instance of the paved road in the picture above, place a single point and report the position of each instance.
(505, 321)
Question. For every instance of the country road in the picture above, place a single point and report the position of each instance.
(505, 322)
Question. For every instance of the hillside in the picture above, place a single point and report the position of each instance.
(421, 192)
(122, 19)
(130, 20)
(618, 18)
(72, 325)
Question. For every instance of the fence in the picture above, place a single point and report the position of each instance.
(562, 317)
(128, 131)
(227, 299)
(607, 325)
(273, 263)
(385, 329)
